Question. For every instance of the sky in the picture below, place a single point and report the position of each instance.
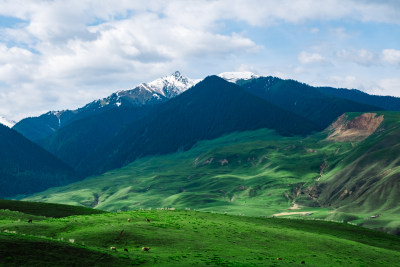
(57, 55)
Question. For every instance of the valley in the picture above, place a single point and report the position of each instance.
(260, 173)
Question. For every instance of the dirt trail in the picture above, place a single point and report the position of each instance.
(293, 213)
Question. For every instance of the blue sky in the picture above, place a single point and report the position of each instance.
(63, 54)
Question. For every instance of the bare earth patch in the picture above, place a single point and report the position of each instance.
(294, 207)
(293, 213)
(356, 129)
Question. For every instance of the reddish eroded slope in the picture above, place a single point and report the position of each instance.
(356, 129)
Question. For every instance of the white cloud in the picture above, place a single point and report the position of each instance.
(67, 53)
(311, 58)
(369, 58)
(384, 86)
(390, 86)
(391, 56)
(67, 62)
(361, 57)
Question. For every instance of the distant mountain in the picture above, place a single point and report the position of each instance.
(27, 168)
(158, 91)
(210, 109)
(7, 122)
(384, 102)
(302, 99)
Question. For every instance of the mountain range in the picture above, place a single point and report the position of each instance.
(116, 130)
(234, 141)
(157, 91)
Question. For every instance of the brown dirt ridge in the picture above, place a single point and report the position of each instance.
(357, 129)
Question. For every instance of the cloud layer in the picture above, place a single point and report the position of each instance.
(63, 54)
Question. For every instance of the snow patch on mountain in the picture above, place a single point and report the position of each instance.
(7, 122)
(170, 86)
(235, 76)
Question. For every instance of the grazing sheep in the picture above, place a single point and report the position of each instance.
(146, 249)
(129, 220)
(113, 248)
(147, 220)
(30, 221)
(125, 249)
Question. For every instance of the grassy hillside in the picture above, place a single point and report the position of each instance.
(188, 238)
(367, 181)
(240, 173)
(260, 173)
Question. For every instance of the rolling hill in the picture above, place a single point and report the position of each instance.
(183, 237)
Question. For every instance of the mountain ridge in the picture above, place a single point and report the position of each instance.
(151, 93)
(304, 100)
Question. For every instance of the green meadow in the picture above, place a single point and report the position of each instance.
(250, 173)
(186, 237)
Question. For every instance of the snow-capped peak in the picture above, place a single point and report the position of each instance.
(235, 76)
(6, 122)
(158, 90)
(170, 86)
